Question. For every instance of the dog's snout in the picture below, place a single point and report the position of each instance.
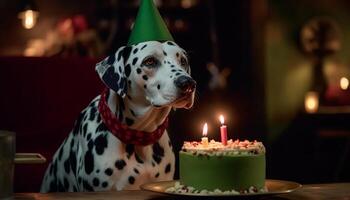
(185, 83)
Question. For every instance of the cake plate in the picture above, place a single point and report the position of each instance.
(274, 187)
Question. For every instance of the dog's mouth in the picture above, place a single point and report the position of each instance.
(184, 101)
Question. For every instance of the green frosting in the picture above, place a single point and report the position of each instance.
(238, 172)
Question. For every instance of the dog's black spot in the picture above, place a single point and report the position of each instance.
(109, 172)
(120, 54)
(145, 86)
(158, 152)
(157, 175)
(170, 43)
(101, 143)
(88, 136)
(126, 53)
(78, 123)
(92, 113)
(73, 161)
(145, 77)
(129, 149)
(138, 70)
(173, 70)
(110, 59)
(72, 143)
(53, 186)
(89, 162)
(104, 184)
(138, 159)
(101, 127)
(129, 81)
(132, 112)
(136, 171)
(55, 169)
(167, 168)
(90, 145)
(98, 120)
(177, 54)
(144, 46)
(131, 180)
(129, 121)
(96, 182)
(66, 183)
(135, 50)
(60, 154)
(98, 171)
(121, 108)
(165, 54)
(158, 87)
(60, 187)
(127, 70)
(79, 180)
(134, 61)
(164, 61)
(87, 186)
(120, 164)
(172, 66)
(171, 76)
(66, 166)
(168, 62)
(177, 73)
(111, 78)
(120, 69)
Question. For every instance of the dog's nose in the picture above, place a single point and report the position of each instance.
(186, 84)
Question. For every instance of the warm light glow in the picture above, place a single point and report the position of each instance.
(205, 130)
(311, 102)
(187, 3)
(344, 83)
(29, 18)
(222, 119)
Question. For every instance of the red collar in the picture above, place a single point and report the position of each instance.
(122, 131)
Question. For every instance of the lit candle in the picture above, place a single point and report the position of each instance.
(223, 130)
(311, 102)
(205, 133)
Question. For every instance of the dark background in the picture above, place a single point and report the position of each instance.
(258, 40)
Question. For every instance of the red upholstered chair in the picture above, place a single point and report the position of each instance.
(40, 98)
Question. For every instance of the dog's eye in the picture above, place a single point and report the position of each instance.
(183, 61)
(149, 62)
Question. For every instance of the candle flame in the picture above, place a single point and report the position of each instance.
(222, 119)
(205, 130)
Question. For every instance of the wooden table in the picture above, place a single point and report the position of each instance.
(307, 192)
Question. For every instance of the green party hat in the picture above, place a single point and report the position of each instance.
(149, 25)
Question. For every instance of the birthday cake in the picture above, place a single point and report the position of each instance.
(238, 167)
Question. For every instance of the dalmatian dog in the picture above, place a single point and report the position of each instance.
(145, 81)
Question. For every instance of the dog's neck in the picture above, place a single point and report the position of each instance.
(137, 113)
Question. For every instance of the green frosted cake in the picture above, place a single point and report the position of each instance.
(238, 167)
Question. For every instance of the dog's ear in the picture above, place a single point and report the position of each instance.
(112, 72)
